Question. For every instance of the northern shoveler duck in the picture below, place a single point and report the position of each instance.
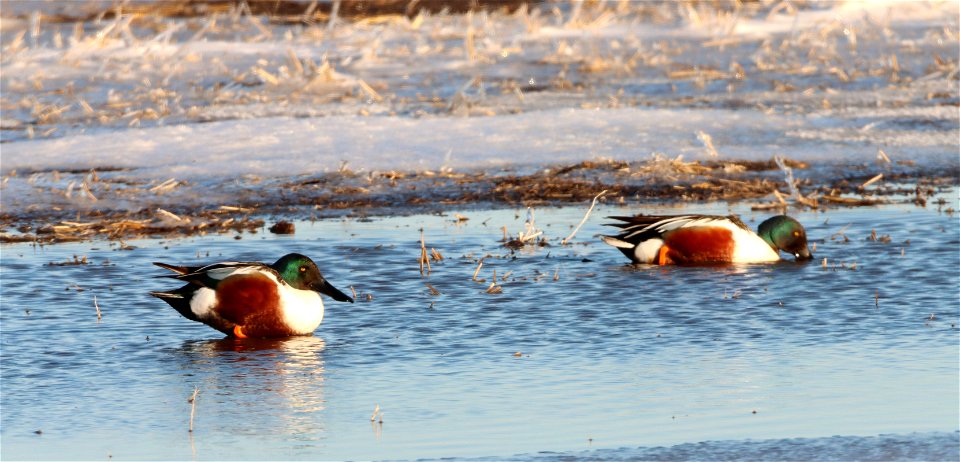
(253, 299)
(665, 240)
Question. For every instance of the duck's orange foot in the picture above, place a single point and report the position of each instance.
(662, 258)
(238, 332)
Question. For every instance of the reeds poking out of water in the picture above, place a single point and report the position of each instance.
(193, 406)
(424, 259)
(377, 415)
(529, 234)
(477, 271)
(97, 306)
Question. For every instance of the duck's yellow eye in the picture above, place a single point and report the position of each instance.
(796, 233)
(303, 269)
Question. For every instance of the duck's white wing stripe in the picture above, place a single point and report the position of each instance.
(221, 271)
(673, 223)
(616, 242)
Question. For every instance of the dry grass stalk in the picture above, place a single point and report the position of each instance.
(556, 274)
(792, 184)
(433, 290)
(168, 215)
(165, 186)
(86, 190)
(530, 228)
(193, 406)
(424, 259)
(494, 289)
(230, 208)
(97, 306)
(768, 206)
(852, 201)
(477, 271)
(779, 197)
(663, 167)
(435, 254)
(376, 411)
(882, 156)
(584, 220)
(707, 141)
(369, 91)
(872, 180)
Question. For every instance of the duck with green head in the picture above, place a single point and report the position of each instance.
(692, 239)
(253, 299)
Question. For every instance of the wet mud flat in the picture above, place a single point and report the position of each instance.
(56, 206)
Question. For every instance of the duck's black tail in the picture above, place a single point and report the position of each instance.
(179, 299)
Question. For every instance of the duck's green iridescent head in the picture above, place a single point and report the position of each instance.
(785, 233)
(302, 273)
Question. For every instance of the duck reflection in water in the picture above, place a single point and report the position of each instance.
(279, 380)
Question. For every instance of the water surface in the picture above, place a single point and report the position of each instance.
(609, 355)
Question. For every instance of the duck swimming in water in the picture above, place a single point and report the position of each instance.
(686, 239)
(253, 299)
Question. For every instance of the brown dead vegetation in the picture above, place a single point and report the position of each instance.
(347, 193)
(286, 11)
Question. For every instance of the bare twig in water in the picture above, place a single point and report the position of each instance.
(376, 410)
(584, 220)
(477, 271)
(792, 184)
(97, 306)
(193, 405)
(433, 290)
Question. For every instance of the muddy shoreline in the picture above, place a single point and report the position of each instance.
(106, 205)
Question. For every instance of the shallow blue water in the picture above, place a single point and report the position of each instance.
(611, 355)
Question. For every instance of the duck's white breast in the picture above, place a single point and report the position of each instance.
(750, 248)
(302, 309)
